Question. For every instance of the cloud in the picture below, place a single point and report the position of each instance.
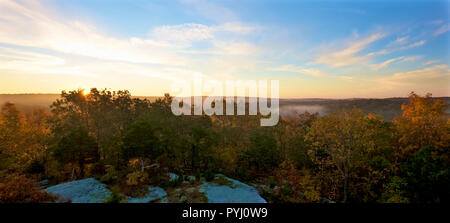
(34, 27)
(413, 45)
(443, 29)
(184, 32)
(37, 63)
(390, 61)
(235, 27)
(380, 52)
(430, 62)
(401, 40)
(27, 23)
(198, 32)
(10, 56)
(22, 61)
(411, 58)
(384, 64)
(301, 70)
(346, 78)
(433, 79)
(398, 45)
(227, 48)
(439, 73)
(349, 55)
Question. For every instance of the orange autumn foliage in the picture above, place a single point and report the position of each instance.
(295, 186)
(19, 189)
(424, 122)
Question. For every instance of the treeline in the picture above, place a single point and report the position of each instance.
(346, 156)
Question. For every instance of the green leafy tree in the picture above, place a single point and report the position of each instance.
(140, 141)
(77, 148)
(427, 176)
(200, 143)
(263, 153)
(351, 153)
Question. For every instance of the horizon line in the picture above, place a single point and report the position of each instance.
(281, 98)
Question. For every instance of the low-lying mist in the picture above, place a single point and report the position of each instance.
(290, 111)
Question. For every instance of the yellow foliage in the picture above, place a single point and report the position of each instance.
(424, 122)
(137, 178)
(302, 185)
(133, 163)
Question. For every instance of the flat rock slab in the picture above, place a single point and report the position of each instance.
(234, 192)
(87, 190)
(154, 194)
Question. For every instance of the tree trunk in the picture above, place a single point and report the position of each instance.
(142, 164)
(73, 173)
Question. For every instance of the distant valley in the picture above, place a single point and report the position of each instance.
(387, 108)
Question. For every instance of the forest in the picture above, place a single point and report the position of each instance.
(346, 156)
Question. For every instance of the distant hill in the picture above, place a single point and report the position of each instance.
(27, 102)
(388, 108)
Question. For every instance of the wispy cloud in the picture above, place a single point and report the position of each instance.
(349, 55)
(197, 32)
(10, 56)
(300, 70)
(384, 64)
(30, 24)
(36, 39)
(443, 29)
(411, 58)
(413, 45)
(430, 62)
(432, 79)
(401, 40)
(438, 73)
(25, 61)
(390, 61)
(184, 32)
(400, 44)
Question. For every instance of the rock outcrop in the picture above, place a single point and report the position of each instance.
(87, 190)
(220, 190)
(226, 190)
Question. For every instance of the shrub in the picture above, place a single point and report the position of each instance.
(110, 177)
(116, 196)
(137, 178)
(19, 189)
(296, 186)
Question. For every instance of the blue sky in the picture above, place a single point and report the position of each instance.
(330, 49)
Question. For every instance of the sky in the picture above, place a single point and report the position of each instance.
(316, 49)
